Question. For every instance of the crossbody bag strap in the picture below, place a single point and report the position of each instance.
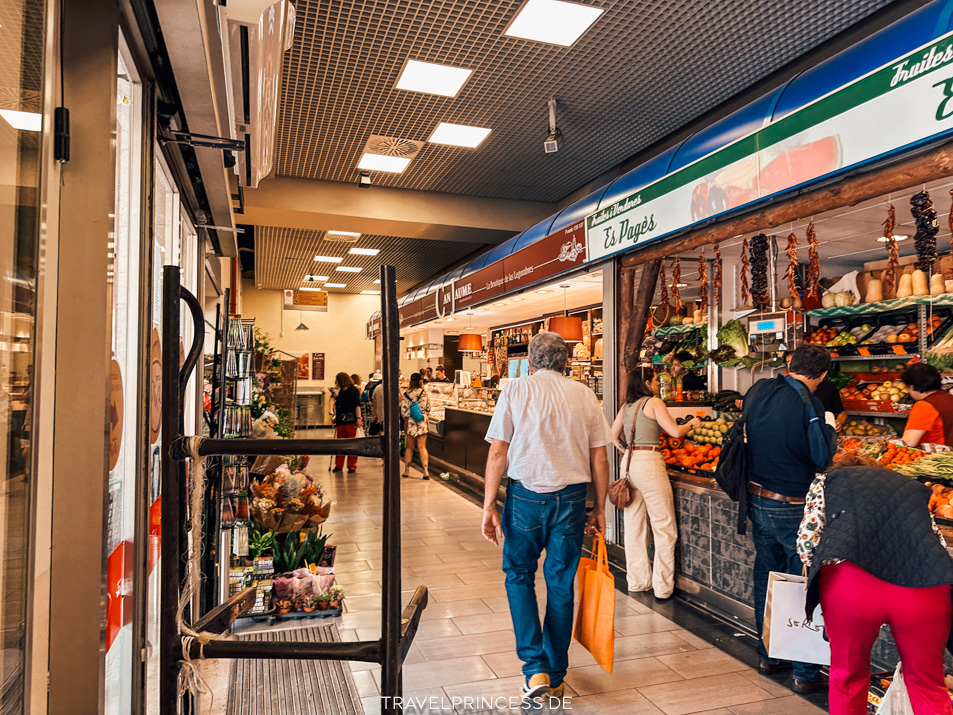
(638, 410)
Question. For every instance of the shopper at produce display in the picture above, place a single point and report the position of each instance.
(414, 408)
(931, 419)
(548, 434)
(780, 471)
(690, 380)
(855, 574)
(347, 417)
(828, 395)
(636, 431)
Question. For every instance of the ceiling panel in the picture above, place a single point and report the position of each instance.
(642, 71)
(284, 256)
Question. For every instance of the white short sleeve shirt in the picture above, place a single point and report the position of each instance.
(550, 423)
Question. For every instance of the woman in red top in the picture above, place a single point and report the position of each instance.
(931, 419)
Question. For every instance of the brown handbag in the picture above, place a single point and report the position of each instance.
(620, 491)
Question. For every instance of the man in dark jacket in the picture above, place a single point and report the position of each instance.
(781, 469)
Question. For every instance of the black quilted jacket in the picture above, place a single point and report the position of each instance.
(880, 521)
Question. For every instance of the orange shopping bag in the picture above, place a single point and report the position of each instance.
(595, 620)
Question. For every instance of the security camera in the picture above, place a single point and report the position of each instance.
(551, 143)
(365, 181)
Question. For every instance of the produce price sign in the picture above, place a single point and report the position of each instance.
(851, 125)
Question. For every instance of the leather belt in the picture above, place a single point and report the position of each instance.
(755, 488)
(647, 448)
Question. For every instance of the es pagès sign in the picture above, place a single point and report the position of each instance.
(315, 300)
(900, 104)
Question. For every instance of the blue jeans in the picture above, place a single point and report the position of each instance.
(775, 543)
(532, 523)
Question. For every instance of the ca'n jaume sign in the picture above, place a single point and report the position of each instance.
(906, 101)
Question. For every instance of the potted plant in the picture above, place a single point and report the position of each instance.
(323, 600)
(284, 606)
(336, 595)
(258, 545)
(297, 601)
(309, 603)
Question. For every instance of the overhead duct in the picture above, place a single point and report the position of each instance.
(259, 33)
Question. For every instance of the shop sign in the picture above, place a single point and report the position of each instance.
(316, 300)
(374, 327)
(480, 286)
(555, 254)
(901, 103)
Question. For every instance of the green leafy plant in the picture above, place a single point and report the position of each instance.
(324, 597)
(259, 542)
(315, 542)
(285, 426)
(336, 593)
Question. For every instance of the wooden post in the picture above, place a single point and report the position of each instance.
(638, 310)
(935, 163)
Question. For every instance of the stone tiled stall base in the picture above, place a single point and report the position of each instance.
(711, 553)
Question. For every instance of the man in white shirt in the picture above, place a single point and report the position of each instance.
(549, 435)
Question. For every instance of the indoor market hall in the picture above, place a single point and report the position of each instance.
(476, 356)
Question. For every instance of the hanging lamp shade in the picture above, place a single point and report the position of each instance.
(569, 327)
(302, 326)
(470, 343)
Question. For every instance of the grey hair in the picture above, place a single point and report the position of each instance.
(548, 351)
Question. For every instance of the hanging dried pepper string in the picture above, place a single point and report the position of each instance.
(893, 253)
(717, 292)
(744, 271)
(814, 263)
(663, 299)
(703, 278)
(676, 278)
(791, 252)
(951, 221)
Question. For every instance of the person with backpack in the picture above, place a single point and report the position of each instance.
(636, 431)
(788, 443)
(414, 408)
(372, 404)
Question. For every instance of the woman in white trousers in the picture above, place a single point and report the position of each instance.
(636, 430)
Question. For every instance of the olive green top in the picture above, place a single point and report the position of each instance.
(647, 430)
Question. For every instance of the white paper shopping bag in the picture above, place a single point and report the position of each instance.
(787, 634)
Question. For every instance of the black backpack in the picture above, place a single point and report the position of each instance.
(732, 471)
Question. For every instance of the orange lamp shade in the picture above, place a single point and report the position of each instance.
(470, 343)
(570, 328)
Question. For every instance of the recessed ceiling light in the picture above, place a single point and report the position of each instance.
(24, 121)
(364, 251)
(453, 332)
(378, 280)
(344, 233)
(379, 162)
(317, 278)
(553, 21)
(432, 79)
(349, 269)
(498, 304)
(311, 289)
(370, 292)
(449, 320)
(458, 135)
(328, 259)
(335, 285)
(883, 239)
(516, 300)
(543, 291)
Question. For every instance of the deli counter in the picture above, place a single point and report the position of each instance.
(459, 419)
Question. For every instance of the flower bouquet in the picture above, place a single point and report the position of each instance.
(286, 501)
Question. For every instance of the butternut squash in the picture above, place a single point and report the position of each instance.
(905, 287)
(937, 286)
(875, 291)
(920, 286)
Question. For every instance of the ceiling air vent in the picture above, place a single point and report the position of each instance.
(392, 146)
(340, 238)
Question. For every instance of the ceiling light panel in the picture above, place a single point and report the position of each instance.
(458, 135)
(349, 269)
(379, 162)
(349, 234)
(335, 285)
(364, 251)
(553, 21)
(328, 259)
(431, 78)
(316, 278)
(338, 84)
(285, 256)
(24, 121)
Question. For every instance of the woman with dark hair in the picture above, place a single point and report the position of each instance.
(931, 419)
(415, 432)
(880, 561)
(636, 432)
(347, 417)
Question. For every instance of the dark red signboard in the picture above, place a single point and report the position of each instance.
(317, 366)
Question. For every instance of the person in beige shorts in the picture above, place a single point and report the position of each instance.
(639, 424)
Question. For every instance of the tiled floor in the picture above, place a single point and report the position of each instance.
(465, 646)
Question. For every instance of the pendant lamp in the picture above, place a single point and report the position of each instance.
(301, 325)
(569, 327)
(470, 342)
